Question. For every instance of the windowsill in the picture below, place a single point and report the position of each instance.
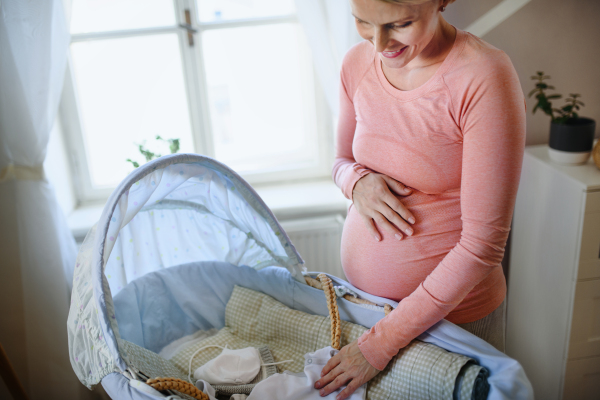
(287, 201)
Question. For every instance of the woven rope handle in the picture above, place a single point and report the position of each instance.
(334, 315)
(178, 385)
(324, 283)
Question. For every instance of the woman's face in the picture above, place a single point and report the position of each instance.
(399, 32)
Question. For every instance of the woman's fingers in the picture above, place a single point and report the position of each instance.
(383, 223)
(399, 209)
(391, 223)
(394, 203)
(348, 390)
(396, 186)
(329, 377)
(352, 370)
(397, 222)
(337, 383)
(388, 199)
(370, 224)
(331, 364)
(375, 200)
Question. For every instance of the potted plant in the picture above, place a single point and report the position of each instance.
(571, 136)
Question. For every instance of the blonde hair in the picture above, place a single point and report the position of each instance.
(413, 1)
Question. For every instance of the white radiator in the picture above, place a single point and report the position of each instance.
(318, 242)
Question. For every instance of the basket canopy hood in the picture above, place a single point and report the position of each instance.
(174, 210)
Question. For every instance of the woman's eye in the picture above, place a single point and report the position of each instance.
(396, 26)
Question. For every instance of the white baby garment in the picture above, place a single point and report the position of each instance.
(300, 386)
(294, 386)
(207, 389)
(234, 367)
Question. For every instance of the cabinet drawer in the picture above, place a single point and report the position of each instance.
(589, 257)
(582, 379)
(585, 326)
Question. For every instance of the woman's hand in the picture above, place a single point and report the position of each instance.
(376, 204)
(348, 367)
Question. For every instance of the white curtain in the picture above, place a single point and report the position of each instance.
(37, 249)
(330, 30)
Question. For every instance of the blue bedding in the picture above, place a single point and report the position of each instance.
(165, 305)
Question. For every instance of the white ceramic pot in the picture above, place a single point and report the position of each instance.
(571, 143)
(568, 157)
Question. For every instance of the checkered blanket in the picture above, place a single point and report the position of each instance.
(419, 371)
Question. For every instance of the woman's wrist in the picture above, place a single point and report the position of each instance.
(361, 174)
(369, 351)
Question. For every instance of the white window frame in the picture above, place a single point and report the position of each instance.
(197, 96)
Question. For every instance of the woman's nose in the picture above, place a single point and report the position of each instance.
(380, 39)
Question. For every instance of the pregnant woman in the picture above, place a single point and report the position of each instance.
(429, 149)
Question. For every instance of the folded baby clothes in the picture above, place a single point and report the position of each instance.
(293, 386)
(301, 386)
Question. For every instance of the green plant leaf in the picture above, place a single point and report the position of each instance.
(543, 102)
(135, 163)
(174, 145)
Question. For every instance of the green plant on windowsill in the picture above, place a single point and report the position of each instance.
(150, 155)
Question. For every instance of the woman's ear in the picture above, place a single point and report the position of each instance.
(443, 5)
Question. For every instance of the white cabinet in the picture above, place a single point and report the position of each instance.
(553, 317)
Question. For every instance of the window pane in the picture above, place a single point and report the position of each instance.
(108, 15)
(129, 90)
(260, 96)
(216, 10)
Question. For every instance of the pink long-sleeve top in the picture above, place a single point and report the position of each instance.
(458, 142)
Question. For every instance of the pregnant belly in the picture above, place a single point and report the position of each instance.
(392, 268)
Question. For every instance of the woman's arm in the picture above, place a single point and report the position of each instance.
(346, 171)
(492, 118)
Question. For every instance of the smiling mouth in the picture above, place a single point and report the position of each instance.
(392, 54)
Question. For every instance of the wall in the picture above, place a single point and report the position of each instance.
(12, 327)
(560, 37)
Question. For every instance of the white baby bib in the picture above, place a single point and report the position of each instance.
(231, 367)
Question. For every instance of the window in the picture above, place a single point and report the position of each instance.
(232, 79)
